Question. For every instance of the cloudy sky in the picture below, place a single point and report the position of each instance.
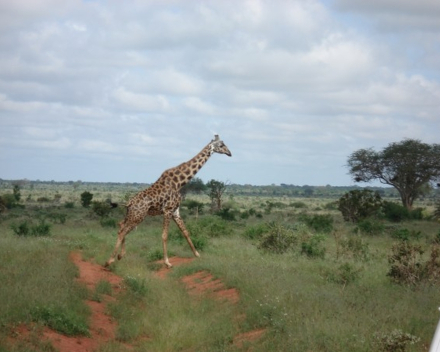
(119, 91)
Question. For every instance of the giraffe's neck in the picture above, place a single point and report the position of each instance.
(183, 173)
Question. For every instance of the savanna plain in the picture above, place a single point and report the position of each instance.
(305, 277)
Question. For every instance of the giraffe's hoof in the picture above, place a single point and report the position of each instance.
(119, 256)
(197, 254)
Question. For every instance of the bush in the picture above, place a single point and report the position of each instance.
(102, 209)
(21, 229)
(345, 274)
(69, 205)
(319, 223)
(136, 285)
(8, 201)
(370, 227)
(255, 232)
(396, 212)
(313, 247)
(24, 229)
(405, 234)
(406, 264)
(354, 247)
(42, 229)
(357, 205)
(226, 214)
(279, 239)
(57, 218)
(60, 320)
(193, 206)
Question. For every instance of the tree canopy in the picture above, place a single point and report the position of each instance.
(409, 166)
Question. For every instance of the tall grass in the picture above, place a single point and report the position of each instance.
(38, 285)
(336, 302)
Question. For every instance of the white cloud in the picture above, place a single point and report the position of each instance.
(141, 102)
(293, 84)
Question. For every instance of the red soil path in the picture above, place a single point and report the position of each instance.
(103, 327)
(203, 283)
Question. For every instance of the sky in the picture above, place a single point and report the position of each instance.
(119, 91)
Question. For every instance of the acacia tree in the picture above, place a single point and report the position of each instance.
(409, 166)
(215, 190)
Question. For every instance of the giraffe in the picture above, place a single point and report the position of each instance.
(163, 198)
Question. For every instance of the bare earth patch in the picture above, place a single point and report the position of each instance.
(102, 326)
(203, 283)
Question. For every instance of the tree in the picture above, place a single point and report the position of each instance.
(215, 193)
(86, 199)
(409, 166)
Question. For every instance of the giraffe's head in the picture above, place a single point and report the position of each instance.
(217, 146)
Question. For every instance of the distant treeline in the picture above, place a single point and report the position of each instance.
(282, 190)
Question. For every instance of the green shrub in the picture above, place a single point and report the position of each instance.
(22, 229)
(255, 232)
(357, 205)
(433, 265)
(226, 214)
(370, 227)
(8, 201)
(41, 229)
(137, 285)
(57, 218)
(355, 247)
(397, 212)
(155, 255)
(394, 212)
(69, 205)
(344, 274)
(404, 234)
(102, 209)
(279, 239)
(26, 229)
(193, 206)
(406, 262)
(313, 247)
(318, 222)
(60, 320)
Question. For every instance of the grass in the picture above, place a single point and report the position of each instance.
(38, 285)
(337, 302)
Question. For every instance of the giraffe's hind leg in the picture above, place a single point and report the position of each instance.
(179, 222)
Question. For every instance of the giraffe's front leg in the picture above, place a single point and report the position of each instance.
(123, 231)
(166, 224)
